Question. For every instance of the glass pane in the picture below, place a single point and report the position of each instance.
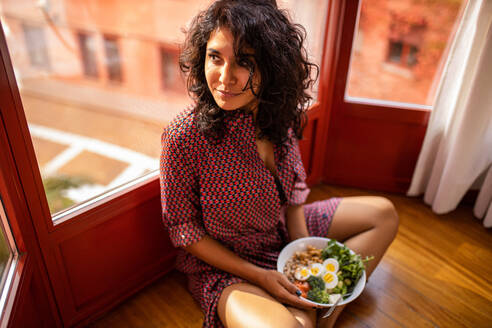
(8, 256)
(5, 253)
(312, 15)
(400, 47)
(113, 60)
(99, 81)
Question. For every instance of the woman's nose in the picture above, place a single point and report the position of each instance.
(227, 74)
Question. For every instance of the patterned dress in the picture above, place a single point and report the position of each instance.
(225, 190)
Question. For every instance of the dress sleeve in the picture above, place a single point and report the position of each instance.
(180, 200)
(299, 190)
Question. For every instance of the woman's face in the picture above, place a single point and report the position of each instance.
(227, 76)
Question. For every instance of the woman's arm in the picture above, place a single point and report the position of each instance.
(212, 252)
(296, 222)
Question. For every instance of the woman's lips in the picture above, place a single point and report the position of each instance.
(227, 94)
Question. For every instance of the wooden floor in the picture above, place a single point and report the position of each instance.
(437, 273)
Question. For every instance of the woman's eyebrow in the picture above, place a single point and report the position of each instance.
(245, 54)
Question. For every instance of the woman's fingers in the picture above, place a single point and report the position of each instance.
(283, 290)
(287, 284)
(295, 300)
(291, 296)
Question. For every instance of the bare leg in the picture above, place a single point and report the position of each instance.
(246, 305)
(307, 318)
(367, 225)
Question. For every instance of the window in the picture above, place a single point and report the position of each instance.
(113, 63)
(169, 68)
(395, 51)
(412, 56)
(91, 139)
(406, 35)
(37, 48)
(87, 45)
(401, 56)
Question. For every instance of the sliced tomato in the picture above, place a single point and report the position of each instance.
(303, 286)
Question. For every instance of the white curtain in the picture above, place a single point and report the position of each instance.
(457, 149)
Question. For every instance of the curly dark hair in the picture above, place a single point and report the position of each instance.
(281, 59)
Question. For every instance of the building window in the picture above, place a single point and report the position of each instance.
(406, 36)
(36, 46)
(412, 56)
(87, 45)
(169, 65)
(395, 51)
(402, 53)
(113, 62)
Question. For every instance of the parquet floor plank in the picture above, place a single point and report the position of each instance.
(385, 279)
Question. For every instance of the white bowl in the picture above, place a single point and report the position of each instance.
(318, 242)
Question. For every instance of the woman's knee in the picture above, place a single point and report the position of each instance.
(387, 216)
(246, 305)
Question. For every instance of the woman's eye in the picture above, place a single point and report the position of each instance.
(213, 57)
(244, 63)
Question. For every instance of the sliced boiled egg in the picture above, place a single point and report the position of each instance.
(302, 274)
(330, 279)
(317, 269)
(330, 265)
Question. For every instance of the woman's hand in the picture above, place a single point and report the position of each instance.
(274, 282)
(282, 289)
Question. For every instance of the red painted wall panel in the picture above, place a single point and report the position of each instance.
(103, 258)
(31, 308)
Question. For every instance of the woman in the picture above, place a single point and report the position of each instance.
(232, 180)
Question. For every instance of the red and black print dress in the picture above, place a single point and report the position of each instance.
(225, 190)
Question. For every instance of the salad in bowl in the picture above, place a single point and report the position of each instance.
(324, 270)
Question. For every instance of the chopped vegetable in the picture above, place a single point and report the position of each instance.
(316, 283)
(318, 296)
(304, 287)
